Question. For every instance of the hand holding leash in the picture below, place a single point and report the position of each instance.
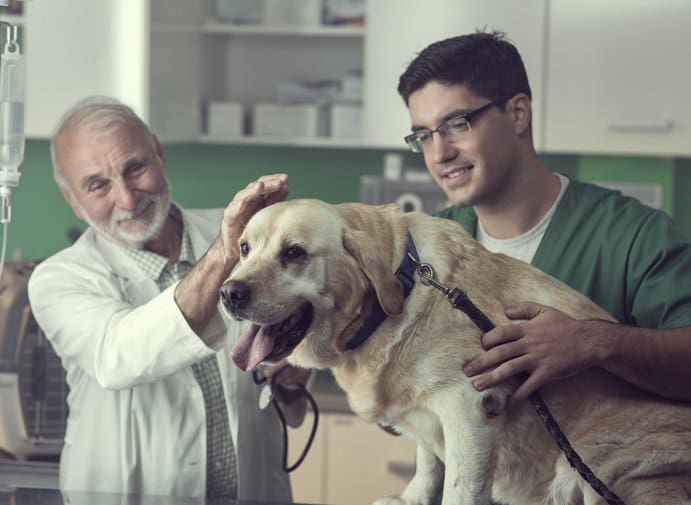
(534, 347)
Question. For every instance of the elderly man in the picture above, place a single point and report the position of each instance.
(155, 407)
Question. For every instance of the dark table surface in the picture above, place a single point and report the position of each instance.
(31, 496)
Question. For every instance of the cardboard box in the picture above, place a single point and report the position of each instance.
(308, 91)
(239, 11)
(291, 120)
(344, 12)
(352, 87)
(225, 119)
(293, 12)
(346, 121)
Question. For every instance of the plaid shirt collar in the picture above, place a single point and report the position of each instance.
(156, 266)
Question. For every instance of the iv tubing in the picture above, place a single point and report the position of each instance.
(4, 248)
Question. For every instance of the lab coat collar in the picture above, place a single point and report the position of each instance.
(137, 286)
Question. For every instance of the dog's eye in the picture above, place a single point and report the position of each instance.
(244, 249)
(293, 252)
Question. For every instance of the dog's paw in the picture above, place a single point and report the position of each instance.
(394, 500)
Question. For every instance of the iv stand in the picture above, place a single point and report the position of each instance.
(11, 125)
(9, 177)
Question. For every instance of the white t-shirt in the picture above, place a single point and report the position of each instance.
(523, 246)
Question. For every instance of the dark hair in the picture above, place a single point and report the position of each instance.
(486, 63)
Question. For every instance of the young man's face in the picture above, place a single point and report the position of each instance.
(474, 168)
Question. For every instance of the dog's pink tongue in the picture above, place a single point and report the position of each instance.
(252, 347)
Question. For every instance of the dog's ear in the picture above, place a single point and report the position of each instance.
(375, 237)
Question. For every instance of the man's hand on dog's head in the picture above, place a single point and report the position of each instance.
(266, 190)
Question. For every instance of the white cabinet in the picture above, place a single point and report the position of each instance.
(364, 462)
(68, 57)
(167, 59)
(607, 77)
(143, 52)
(397, 30)
(618, 77)
(351, 463)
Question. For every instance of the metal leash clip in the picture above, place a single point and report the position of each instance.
(426, 273)
(456, 297)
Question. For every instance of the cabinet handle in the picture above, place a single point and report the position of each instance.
(652, 127)
(400, 469)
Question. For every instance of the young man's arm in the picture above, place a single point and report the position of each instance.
(550, 345)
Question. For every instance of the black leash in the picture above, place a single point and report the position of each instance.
(459, 300)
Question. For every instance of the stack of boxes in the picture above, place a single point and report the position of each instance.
(292, 12)
(346, 113)
(313, 109)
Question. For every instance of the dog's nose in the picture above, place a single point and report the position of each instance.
(235, 294)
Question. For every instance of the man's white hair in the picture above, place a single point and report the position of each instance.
(100, 114)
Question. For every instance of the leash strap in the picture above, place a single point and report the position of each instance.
(459, 300)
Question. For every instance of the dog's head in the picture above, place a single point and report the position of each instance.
(309, 274)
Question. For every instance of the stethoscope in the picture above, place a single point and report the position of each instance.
(267, 397)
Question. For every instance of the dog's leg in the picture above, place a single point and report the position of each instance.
(472, 423)
(425, 485)
(429, 475)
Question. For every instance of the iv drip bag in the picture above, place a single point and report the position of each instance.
(11, 113)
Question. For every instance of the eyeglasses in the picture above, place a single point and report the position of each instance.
(267, 396)
(450, 130)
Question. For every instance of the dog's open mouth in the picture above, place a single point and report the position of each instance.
(272, 341)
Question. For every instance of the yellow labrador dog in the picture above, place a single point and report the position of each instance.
(320, 284)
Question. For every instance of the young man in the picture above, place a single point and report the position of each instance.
(155, 406)
(470, 106)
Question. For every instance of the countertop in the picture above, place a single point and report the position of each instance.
(33, 496)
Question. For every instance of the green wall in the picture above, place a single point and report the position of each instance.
(201, 175)
(205, 175)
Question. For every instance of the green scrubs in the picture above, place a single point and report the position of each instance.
(629, 258)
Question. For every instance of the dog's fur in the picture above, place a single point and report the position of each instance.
(335, 259)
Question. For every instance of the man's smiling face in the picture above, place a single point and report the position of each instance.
(475, 167)
(117, 182)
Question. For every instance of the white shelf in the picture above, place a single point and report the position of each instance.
(174, 28)
(13, 19)
(220, 28)
(282, 141)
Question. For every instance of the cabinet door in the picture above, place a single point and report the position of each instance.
(79, 48)
(142, 52)
(618, 77)
(397, 31)
(363, 462)
(307, 480)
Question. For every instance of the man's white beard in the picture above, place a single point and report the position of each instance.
(141, 233)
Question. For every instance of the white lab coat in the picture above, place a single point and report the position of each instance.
(136, 422)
